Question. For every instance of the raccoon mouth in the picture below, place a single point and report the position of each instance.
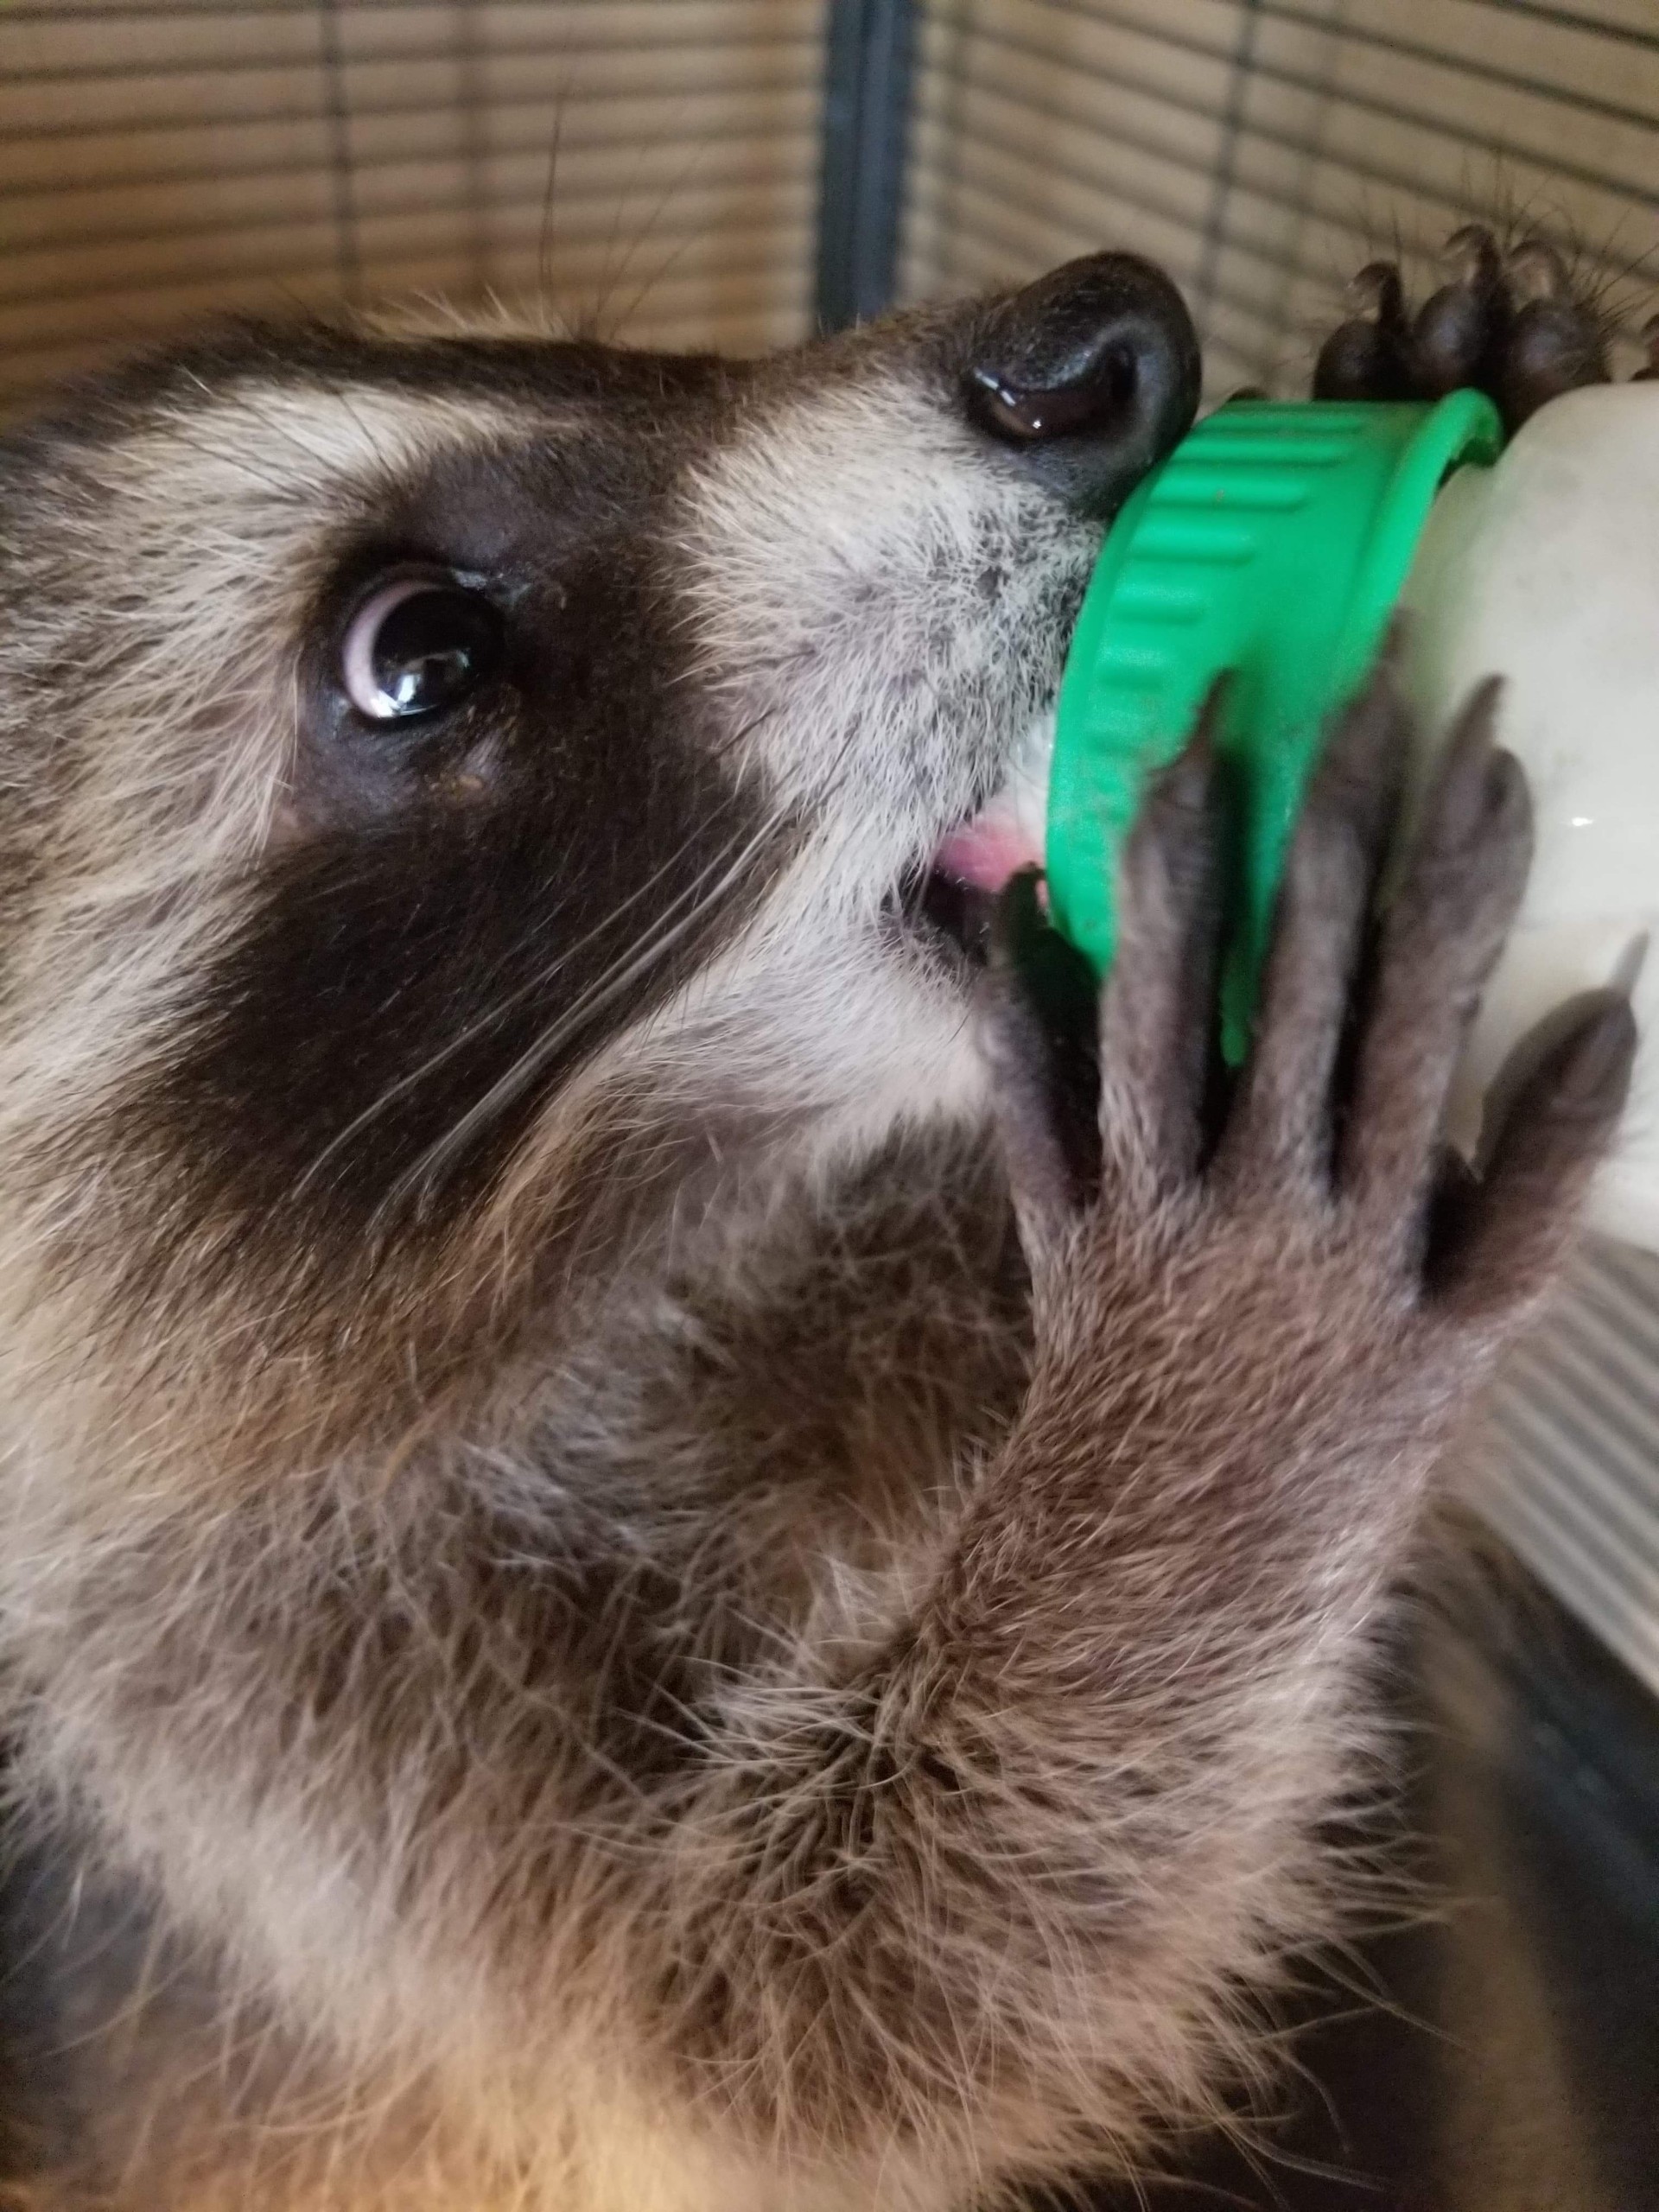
(954, 895)
(954, 915)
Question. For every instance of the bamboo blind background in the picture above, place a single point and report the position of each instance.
(162, 158)
(1263, 150)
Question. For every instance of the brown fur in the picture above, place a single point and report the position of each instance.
(613, 1643)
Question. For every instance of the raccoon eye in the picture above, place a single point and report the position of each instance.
(416, 646)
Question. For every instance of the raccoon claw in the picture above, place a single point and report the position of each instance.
(1458, 335)
(1438, 940)
(1037, 1025)
(1554, 345)
(1550, 1116)
(1514, 328)
(1279, 1132)
(1344, 1102)
(1157, 1010)
(1090, 1086)
(1331, 1138)
(1369, 356)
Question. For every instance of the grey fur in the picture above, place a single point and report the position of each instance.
(669, 1680)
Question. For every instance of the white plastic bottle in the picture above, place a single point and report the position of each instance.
(1545, 569)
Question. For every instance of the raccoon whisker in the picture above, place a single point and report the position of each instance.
(504, 1006)
(285, 433)
(669, 191)
(1619, 316)
(239, 462)
(196, 444)
(546, 297)
(643, 291)
(498, 1013)
(606, 282)
(373, 440)
(570, 1024)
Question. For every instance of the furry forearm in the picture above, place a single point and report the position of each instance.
(999, 1896)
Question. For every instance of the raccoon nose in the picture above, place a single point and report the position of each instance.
(1090, 374)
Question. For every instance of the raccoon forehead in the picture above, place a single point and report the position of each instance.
(263, 463)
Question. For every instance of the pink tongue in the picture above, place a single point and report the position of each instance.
(985, 852)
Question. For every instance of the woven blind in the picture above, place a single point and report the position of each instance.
(161, 160)
(1263, 150)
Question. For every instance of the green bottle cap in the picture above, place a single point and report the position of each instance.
(1273, 543)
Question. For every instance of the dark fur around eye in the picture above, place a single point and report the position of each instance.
(501, 615)
(476, 895)
(402, 997)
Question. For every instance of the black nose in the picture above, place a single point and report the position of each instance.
(1091, 374)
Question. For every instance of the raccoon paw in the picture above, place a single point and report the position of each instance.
(1509, 324)
(1332, 1130)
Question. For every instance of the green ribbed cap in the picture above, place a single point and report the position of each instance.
(1273, 543)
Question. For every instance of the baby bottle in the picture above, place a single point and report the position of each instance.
(1277, 541)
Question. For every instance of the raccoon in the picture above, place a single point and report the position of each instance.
(676, 1533)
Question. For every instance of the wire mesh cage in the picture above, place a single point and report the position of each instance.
(649, 166)
(1263, 150)
(723, 173)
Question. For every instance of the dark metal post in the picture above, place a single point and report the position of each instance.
(866, 108)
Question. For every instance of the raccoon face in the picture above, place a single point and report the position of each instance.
(439, 766)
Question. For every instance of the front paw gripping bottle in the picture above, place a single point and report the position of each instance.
(1276, 543)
